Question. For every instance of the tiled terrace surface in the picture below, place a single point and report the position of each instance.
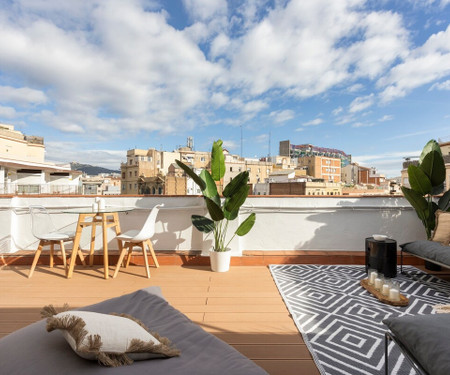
(242, 307)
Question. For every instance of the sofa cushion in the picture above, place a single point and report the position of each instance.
(431, 250)
(427, 338)
(442, 231)
(110, 339)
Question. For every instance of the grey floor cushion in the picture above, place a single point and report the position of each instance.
(427, 337)
(32, 350)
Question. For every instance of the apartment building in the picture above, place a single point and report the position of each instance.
(259, 170)
(155, 172)
(298, 151)
(23, 169)
(321, 167)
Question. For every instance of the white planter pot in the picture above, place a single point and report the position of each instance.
(220, 260)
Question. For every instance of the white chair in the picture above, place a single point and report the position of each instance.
(140, 238)
(44, 230)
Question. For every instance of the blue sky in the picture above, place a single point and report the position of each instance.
(97, 78)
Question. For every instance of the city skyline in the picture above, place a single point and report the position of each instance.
(95, 79)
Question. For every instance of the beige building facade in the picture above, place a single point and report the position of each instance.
(306, 188)
(146, 171)
(23, 169)
(326, 168)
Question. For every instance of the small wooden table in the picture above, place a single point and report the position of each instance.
(106, 218)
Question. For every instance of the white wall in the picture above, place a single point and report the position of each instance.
(288, 223)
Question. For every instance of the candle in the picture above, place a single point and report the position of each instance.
(372, 276)
(394, 295)
(385, 290)
(378, 283)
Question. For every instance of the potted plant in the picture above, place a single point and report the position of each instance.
(221, 211)
(427, 180)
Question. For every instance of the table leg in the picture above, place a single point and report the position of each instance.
(91, 250)
(105, 244)
(76, 244)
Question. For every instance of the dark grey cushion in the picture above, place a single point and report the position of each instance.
(427, 337)
(32, 350)
(430, 250)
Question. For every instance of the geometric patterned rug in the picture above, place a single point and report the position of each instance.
(341, 323)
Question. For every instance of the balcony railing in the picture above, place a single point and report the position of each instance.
(14, 188)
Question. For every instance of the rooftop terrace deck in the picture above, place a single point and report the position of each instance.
(242, 307)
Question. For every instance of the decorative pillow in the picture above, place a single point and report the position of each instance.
(442, 231)
(113, 340)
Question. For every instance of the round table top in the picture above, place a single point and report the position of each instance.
(89, 210)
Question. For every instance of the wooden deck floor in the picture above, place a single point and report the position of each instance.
(242, 307)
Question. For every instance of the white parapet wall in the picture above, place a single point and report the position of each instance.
(282, 223)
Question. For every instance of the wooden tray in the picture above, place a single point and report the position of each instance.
(371, 289)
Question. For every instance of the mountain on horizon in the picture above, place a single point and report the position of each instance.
(91, 170)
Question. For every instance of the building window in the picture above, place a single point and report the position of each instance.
(131, 186)
(135, 186)
(231, 179)
(135, 173)
(123, 175)
(131, 174)
(202, 158)
(231, 169)
(131, 161)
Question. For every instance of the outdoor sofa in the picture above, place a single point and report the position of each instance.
(431, 251)
(33, 350)
(425, 341)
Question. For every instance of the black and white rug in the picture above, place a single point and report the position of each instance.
(341, 323)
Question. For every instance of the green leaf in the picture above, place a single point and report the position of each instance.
(444, 201)
(436, 190)
(432, 145)
(416, 200)
(217, 161)
(418, 180)
(230, 215)
(234, 202)
(210, 190)
(236, 184)
(202, 223)
(214, 210)
(192, 174)
(434, 167)
(246, 225)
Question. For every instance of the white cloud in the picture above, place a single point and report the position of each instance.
(337, 111)
(282, 116)
(298, 47)
(204, 10)
(386, 118)
(423, 65)
(362, 124)
(388, 163)
(7, 112)
(57, 152)
(299, 129)
(230, 145)
(315, 122)
(262, 138)
(361, 103)
(22, 95)
(355, 88)
(441, 85)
